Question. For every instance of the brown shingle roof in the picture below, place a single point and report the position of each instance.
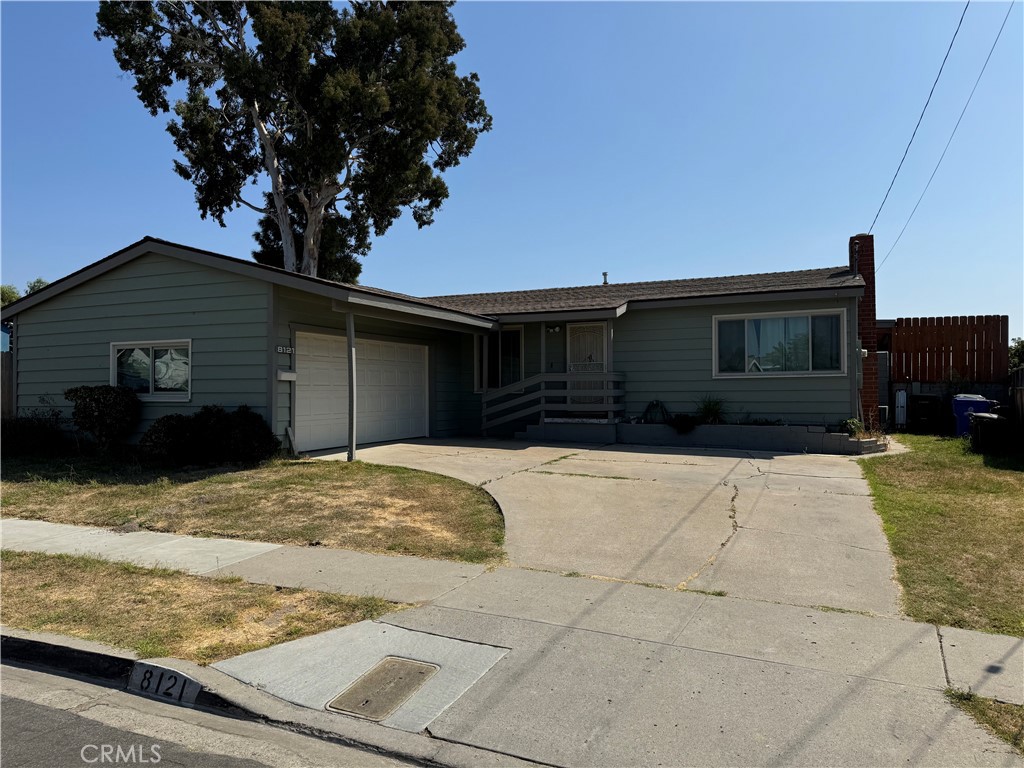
(589, 297)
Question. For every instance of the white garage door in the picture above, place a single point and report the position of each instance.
(391, 391)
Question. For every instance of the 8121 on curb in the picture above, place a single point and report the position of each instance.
(164, 684)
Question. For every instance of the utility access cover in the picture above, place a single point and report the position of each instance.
(382, 690)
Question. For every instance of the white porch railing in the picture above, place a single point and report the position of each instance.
(597, 395)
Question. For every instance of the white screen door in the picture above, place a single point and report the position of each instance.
(586, 355)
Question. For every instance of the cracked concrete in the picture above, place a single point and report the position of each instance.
(790, 528)
(603, 674)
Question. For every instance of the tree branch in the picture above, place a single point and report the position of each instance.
(247, 204)
(235, 45)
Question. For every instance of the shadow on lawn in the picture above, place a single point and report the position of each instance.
(114, 470)
(1014, 462)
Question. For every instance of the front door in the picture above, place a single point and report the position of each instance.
(586, 354)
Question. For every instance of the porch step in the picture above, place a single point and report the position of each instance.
(569, 433)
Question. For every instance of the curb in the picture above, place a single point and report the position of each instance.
(222, 694)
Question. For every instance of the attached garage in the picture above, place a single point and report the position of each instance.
(391, 382)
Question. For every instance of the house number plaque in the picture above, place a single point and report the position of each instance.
(286, 350)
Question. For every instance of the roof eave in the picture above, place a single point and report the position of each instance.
(553, 315)
(848, 291)
(347, 293)
(560, 315)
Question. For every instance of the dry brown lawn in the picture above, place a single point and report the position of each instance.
(955, 522)
(359, 506)
(157, 612)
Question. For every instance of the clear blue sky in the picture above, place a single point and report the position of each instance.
(651, 140)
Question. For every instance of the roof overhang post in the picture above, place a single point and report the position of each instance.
(350, 331)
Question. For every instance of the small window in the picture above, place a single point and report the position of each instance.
(153, 370)
(510, 353)
(504, 364)
(778, 344)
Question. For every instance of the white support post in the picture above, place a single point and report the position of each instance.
(350, 331)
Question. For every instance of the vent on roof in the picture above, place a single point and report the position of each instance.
(605, 276)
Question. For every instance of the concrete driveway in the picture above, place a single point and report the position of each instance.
(788, 528)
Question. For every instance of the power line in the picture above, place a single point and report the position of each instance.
(919, 119)
(962, 112)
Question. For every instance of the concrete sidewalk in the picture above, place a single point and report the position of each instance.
(595, 673)
(403, 579)
(580, 671)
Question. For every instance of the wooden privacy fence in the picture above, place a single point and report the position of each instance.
(936, 349)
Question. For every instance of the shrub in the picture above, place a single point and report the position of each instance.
(212, 435)
(109, 414)
(38, 434)
(683, 423)
(711, 410)
(168, 439)
(210, 438)
(251, 438)
(852, 427)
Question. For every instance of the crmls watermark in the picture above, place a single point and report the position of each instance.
(116, 753)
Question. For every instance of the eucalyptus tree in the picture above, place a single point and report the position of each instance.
(337, 118)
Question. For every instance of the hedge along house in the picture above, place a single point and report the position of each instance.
(186, 328)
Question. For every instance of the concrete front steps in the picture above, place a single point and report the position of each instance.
(788, 439)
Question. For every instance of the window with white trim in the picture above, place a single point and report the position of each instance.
(775, 344)
(154, 370)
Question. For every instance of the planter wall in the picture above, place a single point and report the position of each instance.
(786, 439)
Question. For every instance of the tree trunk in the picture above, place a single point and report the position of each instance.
(311, 241)
(284, 224)
(277, 191)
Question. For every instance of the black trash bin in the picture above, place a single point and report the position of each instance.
(925, 415)
(990, 433)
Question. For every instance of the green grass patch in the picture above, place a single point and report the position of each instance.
(367, 507)
(955, 523)
(159, 612)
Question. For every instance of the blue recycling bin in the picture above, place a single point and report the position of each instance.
(964, 406)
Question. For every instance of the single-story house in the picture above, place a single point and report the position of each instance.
(186, 328)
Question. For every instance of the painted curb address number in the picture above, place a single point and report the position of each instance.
(163, 683)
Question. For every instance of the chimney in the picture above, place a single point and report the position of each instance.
(862, 262)
(605, 276)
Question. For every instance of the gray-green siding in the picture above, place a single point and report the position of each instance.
(65, 341)
(454, 408)
(235, 324)
(666, 355)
